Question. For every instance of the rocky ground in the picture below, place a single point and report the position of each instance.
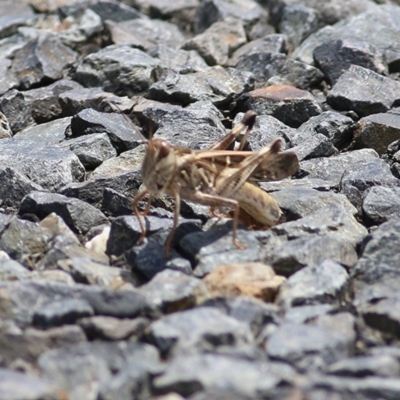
(308, 311)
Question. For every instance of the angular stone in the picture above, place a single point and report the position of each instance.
(336, 57)
(279, 69)
(290, 105)
(217, 85)
(308, 347)
(145, 33)
(219, 41)
(304, 314)
(78, 215)
(41, 60)
(363, 91)
(52, 132)
(317, 146)
(5, 130)
(323, 283)
(48, 166)
(110, 328)
(248, 279)
(123, 136)
(7, 79)
(92, 149)
(135, 70)
(197, 330)
(363, 175)
(377, 131)
(381, 204)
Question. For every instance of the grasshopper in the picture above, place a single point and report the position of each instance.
(215, 177)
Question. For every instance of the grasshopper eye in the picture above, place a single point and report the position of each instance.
(164, 151)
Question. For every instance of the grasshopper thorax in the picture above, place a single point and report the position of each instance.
(159, 165)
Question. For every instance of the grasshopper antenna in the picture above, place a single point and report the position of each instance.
(248, 120)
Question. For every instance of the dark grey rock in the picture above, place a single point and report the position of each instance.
(115, 203)
(266, 129)
(298, 22)
(92, 149)
(217, 85)
(52, 132)
(393, 61)
(61, 312)
(308, 347)
(362, 366)
(290, 105)
(110, 328)
(279, 69)
(298, 202)
(48, 166)
(17, 385)
(123, 135)
(363, 175)
(219, 41)
(5, 130)
(317, 145)
(171, 291)
(44, 102)
(303, 314)
(15, 186)
(192, 373)
(91, 191)
(101, 366)
(363, 91)
(41, 61)
(375, 20)
(336, 57)
(145, 33)
(13, 106)
(179, 60)
(332, 168)
(303, 183)
(380, 204)
(195, 330)
(98, 70)
(78, 215)
(197, 126)
(377, 131)
(323, 283)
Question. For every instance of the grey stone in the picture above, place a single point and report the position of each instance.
(336, 57)
(61, 312)
(298, 22)
(332, 168)
(5, 130)
(15, 186)
(52, 132)
(9, 24)
(351, 92)
(304, 314)
(172, 291)
(377, 131)
(123, 135)
(362, 366)
(42, 60)
(380, 204)
(316, 146)
(308, 347)
(78, 215)
(17, 385)
(92, 149)
(290, 105)
(44, 102)
(145, 33)
(7, 79)
(110, 328)
(363, 175)
(195, 330)
(280, 69)
(379, 21)
(98, 70)
(323, 283)
(192, 373)
(182, 61)
(217, 85)
(87, 369)
(36, 160)
(219, 41)
(13, 106)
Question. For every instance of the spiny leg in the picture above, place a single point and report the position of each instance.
(168, 242)
(135, 202)
(147, 209)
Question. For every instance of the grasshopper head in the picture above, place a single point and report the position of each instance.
(159, 165)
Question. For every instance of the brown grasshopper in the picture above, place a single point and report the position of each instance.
(216, 177)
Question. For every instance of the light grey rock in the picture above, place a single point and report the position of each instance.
(317, 146)
(304, 314)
